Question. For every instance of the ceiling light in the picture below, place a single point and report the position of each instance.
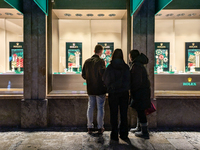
(79, 15)
(90, 15)
(181, 15)
(67, 14)
(19, 14)
(9, 14)
(112, 15)
(169, 15)
(158, 14)
(100, 15)
(193, 14)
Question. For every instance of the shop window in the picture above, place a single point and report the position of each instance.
(11, 58)
(75, 33)
(177, 50)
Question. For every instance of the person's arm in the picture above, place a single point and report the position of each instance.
(102, 68)
(83, 72)
(136, 77)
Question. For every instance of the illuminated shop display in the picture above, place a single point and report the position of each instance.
(192, 59)
(162, 56)
(16, 57)
(107, 52)
(73, 58)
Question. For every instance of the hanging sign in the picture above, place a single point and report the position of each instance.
(135, 4)
(192, 56)
(43, 4)
(160, 4)
(108, 49)
(162, 54)
(17, 4)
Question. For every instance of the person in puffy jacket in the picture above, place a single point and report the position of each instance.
(140, 91)
(117, 81)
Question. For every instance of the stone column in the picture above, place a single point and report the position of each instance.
(143, 35)
(34, 104)
(143, 40)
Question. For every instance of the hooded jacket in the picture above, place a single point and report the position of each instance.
(140, 84)
(93, 70)
(117, 76)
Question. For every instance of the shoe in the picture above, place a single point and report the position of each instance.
(137, 129)
(124, 138)
(101, 130)
(90, 130)
(144, 133)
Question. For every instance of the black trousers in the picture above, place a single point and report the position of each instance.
(142, 116)
(118, 101)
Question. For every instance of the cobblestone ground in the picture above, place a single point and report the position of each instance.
(68, 140)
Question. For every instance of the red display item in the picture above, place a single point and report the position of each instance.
(190, 64)
(107, 52)
(70, 64)
(150, 110)
(161, 57)
(20, 62)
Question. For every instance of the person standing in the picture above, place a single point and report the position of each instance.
(93, 70)
(140, 91)
(117, 81)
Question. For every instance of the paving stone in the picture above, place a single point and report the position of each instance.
(163, 146)
(182, 144)
(173, 135)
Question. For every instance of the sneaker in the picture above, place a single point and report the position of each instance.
(101, 130)
(90, 130)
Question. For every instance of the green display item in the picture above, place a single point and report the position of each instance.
(84, 83)
(162, 54)
(171, 72)
(107, 51)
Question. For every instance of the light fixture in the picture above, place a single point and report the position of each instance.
(112, 15)
(169, 15)
(158, 14)
(179, 15)
(9, 14)
(79, 15)
(90, 15)
(100, 15)
(19, 14)
(193, 14)
(67, 14)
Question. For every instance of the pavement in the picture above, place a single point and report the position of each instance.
(68, 139)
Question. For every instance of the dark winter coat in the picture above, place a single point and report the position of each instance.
(117, 76)
(140, 84)
(93, 70)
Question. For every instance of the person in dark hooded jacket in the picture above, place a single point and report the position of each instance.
(117, 81)
(140, 91)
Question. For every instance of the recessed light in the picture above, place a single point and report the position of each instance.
(67, 14)
(90, 15)
(100, 15)
(9, 14)
(158, 14)
(112, 15)
(79, 15)
(193, 14)
(19, 14)
(181, 15)
(169, 15)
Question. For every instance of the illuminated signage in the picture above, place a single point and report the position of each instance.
(189, 83)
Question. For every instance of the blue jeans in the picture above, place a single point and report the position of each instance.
(100, 100)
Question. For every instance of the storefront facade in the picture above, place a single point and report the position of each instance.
(41, 74)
